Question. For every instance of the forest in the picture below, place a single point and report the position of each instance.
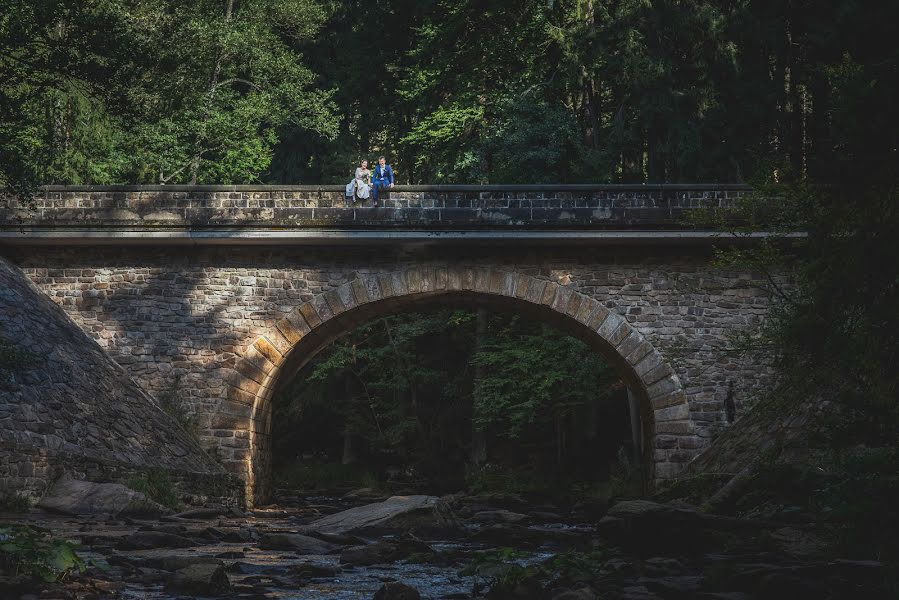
(457, 398)
(468, 91)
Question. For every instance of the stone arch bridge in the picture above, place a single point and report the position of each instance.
(220, 294)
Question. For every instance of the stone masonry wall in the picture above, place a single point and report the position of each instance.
(66, 406)
(432, 207)
(179, 320)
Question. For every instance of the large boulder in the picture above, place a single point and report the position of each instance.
(398, 513)
(383, 552)
(148, 540)
(73, 497)
(301, 544)
(201, 579)
(643, 526)
(395, 590)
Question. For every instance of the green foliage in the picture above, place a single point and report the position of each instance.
(13, 502)
(27, 550)
(156, 485)
(511, 573)
(563, 91)
(171, 402)
(411, 390)
(161, 92)
(13, 360)
(534, 374)
(328, 476)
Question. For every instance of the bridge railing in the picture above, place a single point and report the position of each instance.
(445, 207)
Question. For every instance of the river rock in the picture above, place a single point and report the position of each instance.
(394, 590)
(382, 552)
(301, 544)
(202, 579)
(75, 497)
(174, 562)
(145, 540)
(498, 516)
(203, 513)
(510, 534)
(312, 571)
(583, 593)
(673, 530)
(398, 513)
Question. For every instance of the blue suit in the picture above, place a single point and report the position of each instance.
(381, 179)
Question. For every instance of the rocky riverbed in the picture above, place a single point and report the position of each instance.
(362, 546)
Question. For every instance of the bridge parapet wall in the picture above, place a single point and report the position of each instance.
(408, 207)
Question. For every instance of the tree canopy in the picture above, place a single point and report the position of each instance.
(464, 91)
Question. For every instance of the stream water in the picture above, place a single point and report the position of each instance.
(255, 572)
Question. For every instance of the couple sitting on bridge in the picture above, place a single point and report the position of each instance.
(367, 183)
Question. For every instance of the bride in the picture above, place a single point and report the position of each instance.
(361, 183)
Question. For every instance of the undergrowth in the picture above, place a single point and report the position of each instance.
(28, 550)
(156, 485)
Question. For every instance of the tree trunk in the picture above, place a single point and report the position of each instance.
(210, 96)
(349, 447)
(478, 451)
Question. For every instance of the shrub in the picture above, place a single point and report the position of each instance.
(156, 485)
(27, 550)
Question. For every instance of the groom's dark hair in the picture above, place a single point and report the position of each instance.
(382, 156)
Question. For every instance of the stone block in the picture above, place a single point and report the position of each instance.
(648, 363)
(668, 399)
(290, 330)
(248, 369)
(561, 299)
(521, 286)
(549, 293)
(335, 303)
(620, 334)
(322, 307)
(310, 314)
(360, 291)
(347, 296)
(663, 386)
(385, 286)
(266, 349)
(609, 325)
(660, 372)
(639, 352)
(630, 343)
(413, 281)
(598, 317)
(236, 394)
(586, 309)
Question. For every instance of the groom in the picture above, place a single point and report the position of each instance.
(381, 178)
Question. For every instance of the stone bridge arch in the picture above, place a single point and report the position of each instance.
(273, 358)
